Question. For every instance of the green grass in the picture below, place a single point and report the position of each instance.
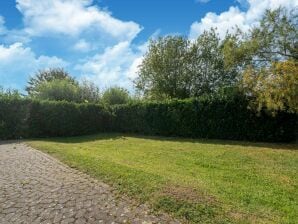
(201, 181)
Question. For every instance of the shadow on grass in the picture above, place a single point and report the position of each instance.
(123, 136)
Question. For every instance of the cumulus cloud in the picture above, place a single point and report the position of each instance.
(235, 17)
(116, 66)
(99, 45)
(18, 62)
(73, 17)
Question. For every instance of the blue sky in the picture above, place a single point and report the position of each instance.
(104, 40)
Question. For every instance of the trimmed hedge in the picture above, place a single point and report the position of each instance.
(13, 113)
(204, 118)
(217, 119)
(24, 118)
(56, 118)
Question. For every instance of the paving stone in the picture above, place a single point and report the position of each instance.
(36, 188)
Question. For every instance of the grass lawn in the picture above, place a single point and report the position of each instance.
(202, 181)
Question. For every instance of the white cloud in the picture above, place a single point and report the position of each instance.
(116, 66)
(18, 62)
(83, 46)
(73, 17)
(235, 17)
(81, 27)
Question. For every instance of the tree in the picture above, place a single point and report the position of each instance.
(10, 93)
(267, 57)
(58, 90)
(175, 67)
(275, 39)
(275, 89)
(205, 64)
(89, 92)
(115, 95)
(47, 75)
(162, 73)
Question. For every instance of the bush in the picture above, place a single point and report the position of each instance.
(204, 118)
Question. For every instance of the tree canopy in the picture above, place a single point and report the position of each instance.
(175, 67)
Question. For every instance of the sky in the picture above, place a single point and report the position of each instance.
(104, 40)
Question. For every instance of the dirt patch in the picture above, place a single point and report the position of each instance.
(189, 194)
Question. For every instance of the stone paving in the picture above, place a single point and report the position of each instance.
(36, 188)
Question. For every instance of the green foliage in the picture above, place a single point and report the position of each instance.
(204, 118)
(275, 39)
(9, 94)
(162, 73)
(58, 90)
(56, 84)
(89, 92)
(13, 114)
(47, 75)
(218, 118)
(27, 118)
(267, 57)
(50, 118)
(275, 89)
(175, 67)
(115, 95)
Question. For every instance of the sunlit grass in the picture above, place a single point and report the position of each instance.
(202, 181)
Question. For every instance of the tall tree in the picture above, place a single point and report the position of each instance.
(175, 67)
(268, 58)
(205, 64)
(162, 73)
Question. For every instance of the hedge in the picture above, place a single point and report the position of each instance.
(25, 118)
(196, 118)
(13, 113)
(216, 119)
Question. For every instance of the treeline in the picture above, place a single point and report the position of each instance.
(260, 64)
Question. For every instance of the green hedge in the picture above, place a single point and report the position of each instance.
(13, 114)
(50, 118)
(218, 119)
(24, 118)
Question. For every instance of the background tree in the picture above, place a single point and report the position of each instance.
(89, 92)
(58, 84)
(267, 56)
(205, 65)
(47, 75)
(175, 67)
(115, 95)
(58, 90)
(10, 93)
(162, 73)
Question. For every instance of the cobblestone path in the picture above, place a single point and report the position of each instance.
(35, 188)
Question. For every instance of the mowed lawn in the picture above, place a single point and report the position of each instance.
(200, 181)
